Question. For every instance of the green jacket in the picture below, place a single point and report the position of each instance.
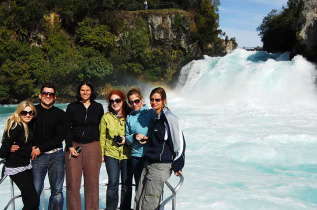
(110, 126)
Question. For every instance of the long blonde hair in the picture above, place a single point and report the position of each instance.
(15, 118)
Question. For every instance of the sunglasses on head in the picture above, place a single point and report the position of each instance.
(24, 113)
(117, 100)
(136, 101)
(49, 94)
(155, 99)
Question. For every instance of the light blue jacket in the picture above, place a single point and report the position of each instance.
(141, 121)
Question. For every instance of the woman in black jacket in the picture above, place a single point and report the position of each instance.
(166, 153)
(18, 165)
(85, 115)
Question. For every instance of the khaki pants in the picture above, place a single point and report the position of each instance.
(88, 164)
(148, 195)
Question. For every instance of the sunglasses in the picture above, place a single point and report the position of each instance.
(25, 113)
(155, 99)
(49, 94)
(136, 101)
(117, 100)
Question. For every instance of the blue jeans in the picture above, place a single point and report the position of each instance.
(114, 167)
(53, 164)
(137, 167)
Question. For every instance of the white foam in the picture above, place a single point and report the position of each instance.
(234, 79)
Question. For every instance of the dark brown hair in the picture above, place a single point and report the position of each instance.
(93, 92)
(48, 85)
(162, 93)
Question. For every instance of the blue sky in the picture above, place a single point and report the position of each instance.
(240, 18)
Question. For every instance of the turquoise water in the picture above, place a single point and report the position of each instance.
(250, 121)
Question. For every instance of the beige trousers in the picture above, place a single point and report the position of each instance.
(151, 184)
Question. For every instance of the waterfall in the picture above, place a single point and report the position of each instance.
(244, 76)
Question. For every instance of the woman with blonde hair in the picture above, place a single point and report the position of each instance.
(17, 164)
(138, 128)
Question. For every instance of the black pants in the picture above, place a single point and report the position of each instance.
(24, 181)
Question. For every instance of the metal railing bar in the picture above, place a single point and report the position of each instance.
(173, 196)
(161, 5)
(162, 205)
(10, 201)
(3, 178)
(64, 187)
(12, 194)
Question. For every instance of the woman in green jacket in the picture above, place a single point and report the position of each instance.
(115, 152)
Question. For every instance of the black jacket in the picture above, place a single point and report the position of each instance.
(49, 128)
(22, 156)
(162, 146)
(84, 126)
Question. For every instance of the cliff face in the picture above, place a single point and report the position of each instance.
(164, 30)
(229, 46)
(170, 29)
(308, 30)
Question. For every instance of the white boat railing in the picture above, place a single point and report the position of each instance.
(162, 205)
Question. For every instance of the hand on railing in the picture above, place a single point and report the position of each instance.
(179, 173)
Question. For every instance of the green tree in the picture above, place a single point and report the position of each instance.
(135, 39)
(22, 16)
(39, 69)
(56, 43)
(17, 80)
(267, 22)
(207, 22)
(16, 76)
(278, 29)
(98, 67)
(91, 34)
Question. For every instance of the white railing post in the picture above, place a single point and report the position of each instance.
(174, 203)
(43, 199)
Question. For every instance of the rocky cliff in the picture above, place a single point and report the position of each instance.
(308, 30)
(147, 44)
(170, 28)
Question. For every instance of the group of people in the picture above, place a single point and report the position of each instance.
(132, 140)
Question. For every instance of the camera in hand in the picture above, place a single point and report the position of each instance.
(78, 149)
(143, 140)
(117, 139)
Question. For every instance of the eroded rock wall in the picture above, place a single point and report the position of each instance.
(308, 29)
